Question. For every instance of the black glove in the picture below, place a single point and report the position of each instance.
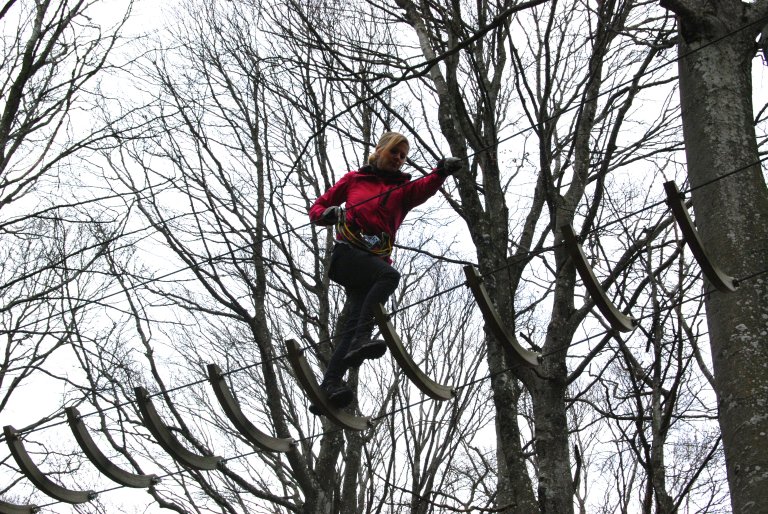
(448, 166)
(332, 214)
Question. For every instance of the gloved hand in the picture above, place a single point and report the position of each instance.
(448, 166)
(332, 214)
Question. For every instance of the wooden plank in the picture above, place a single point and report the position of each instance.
(516, 353)
(167, 440)
(37, 477)
(308, 382)
(613, 316)
(428, 386)
(239, 420)
(717, 278)
(100, 460)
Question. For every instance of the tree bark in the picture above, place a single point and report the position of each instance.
(731, 215)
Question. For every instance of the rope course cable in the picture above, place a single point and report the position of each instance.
(746, 167)
(467, 384)
(522, 131)
(228, 255)
(457, 387)
(531, 253)
(401, 309)
(551, 352)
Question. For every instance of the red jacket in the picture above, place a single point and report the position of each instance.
(376, 201)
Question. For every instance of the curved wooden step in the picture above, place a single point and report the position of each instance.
(11, 508)
(165, 438)
(100, 460)
(720, 280)
(307, 380)
(37, 477)
(516, 353)
(238, 419)
(615, 318)
(428, 386)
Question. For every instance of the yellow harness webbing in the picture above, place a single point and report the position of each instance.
(382, 247)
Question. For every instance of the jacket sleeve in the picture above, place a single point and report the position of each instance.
(336, 195)
(420, 190)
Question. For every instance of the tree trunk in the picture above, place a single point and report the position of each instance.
(731, 215)
(548, 389)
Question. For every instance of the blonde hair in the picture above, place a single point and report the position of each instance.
(388, 140)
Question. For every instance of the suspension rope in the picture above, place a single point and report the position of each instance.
(505, 267)
(211, 259)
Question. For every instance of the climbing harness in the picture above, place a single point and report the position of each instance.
(379, 245)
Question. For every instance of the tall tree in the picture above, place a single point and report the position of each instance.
(251, 114)
(52, 223)
(716, 50)
(574, 153)
(250, 273)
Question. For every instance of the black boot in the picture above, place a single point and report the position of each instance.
(337, 393)
(362, 349)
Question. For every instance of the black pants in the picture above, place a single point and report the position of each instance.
(367, 280)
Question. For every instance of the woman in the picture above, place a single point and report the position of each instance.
(377, 198)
